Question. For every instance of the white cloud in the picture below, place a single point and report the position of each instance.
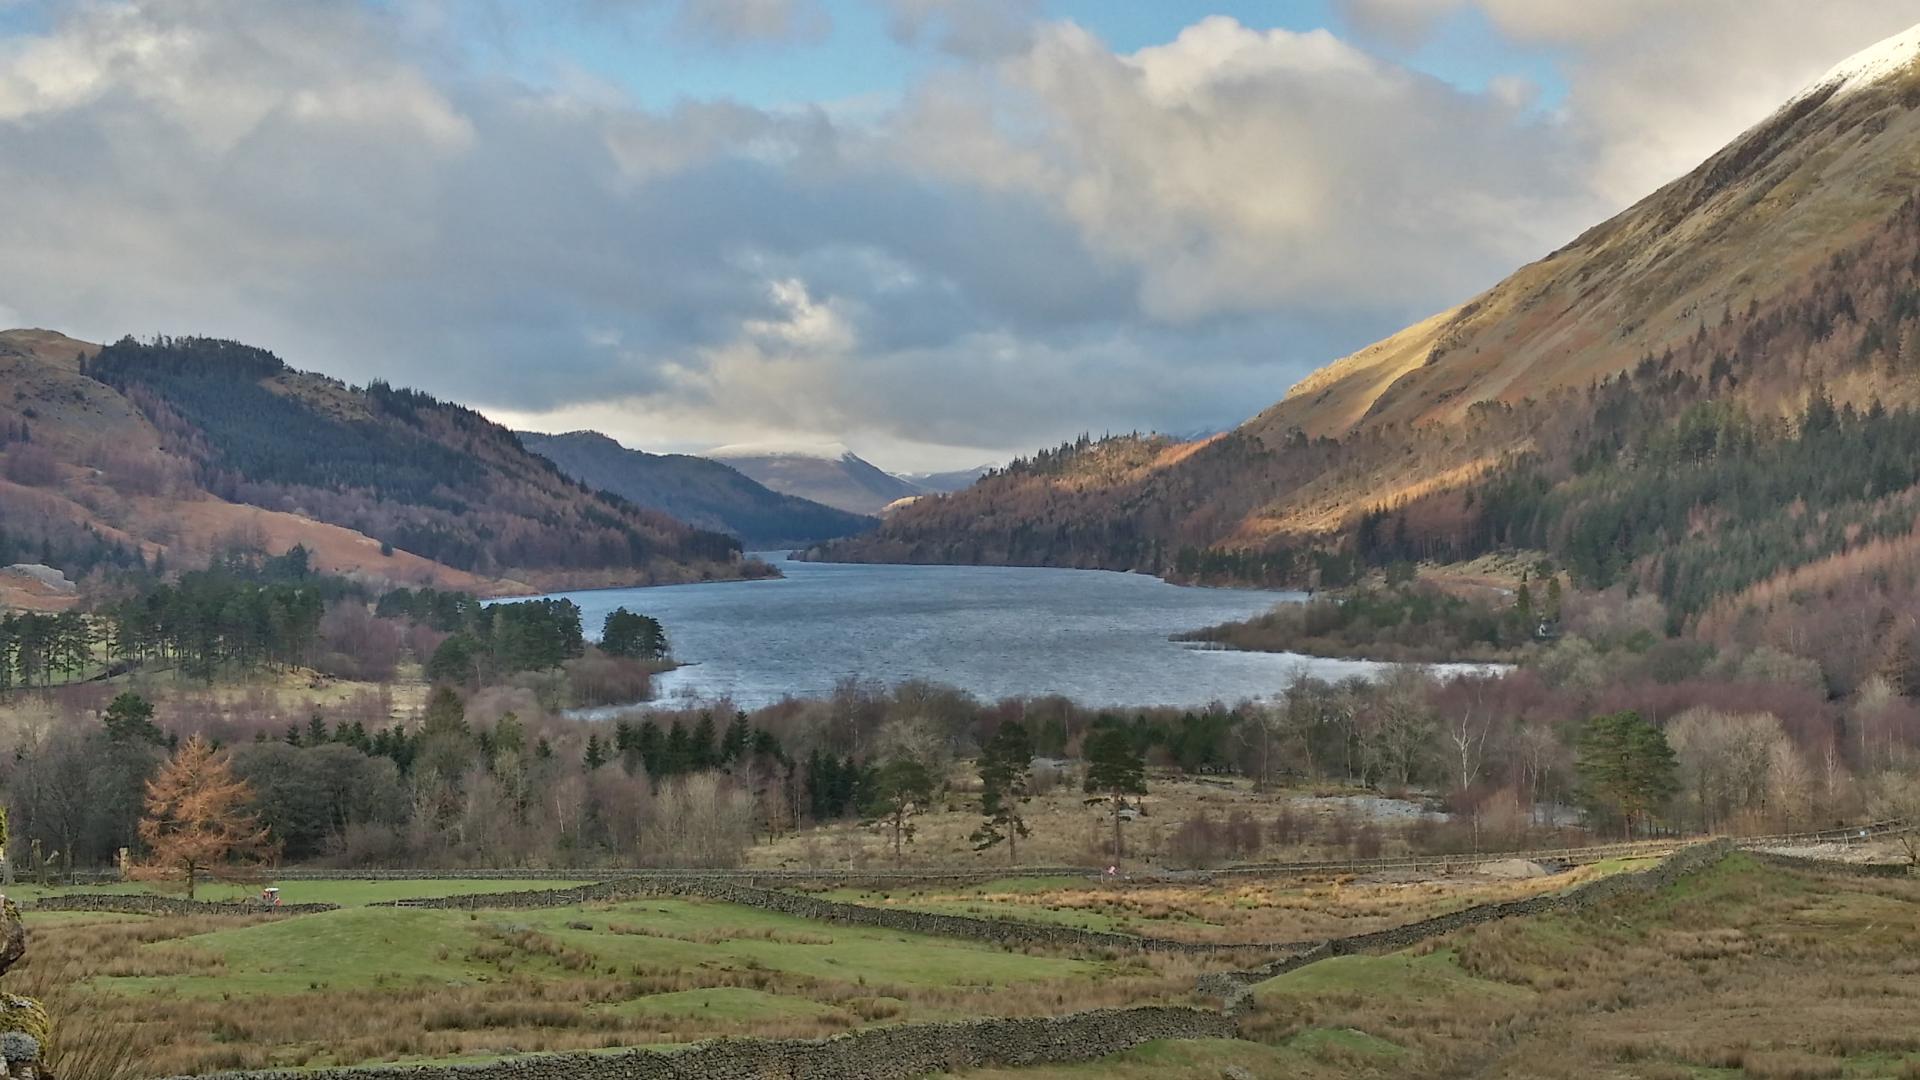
(1655, 87)
(1243, 171)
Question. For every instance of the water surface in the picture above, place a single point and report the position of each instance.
(994, 631)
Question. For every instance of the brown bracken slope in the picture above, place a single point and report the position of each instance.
(106, 463)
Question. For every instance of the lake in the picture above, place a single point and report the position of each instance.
(1099, 638)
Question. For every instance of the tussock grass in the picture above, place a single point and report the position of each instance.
(1255, 911)
(1743, 970)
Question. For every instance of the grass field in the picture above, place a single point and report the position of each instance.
(346, 986)
(1746, 970)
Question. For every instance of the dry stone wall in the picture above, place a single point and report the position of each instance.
(1834, 866)
(1689, 861)
(887, 1053)
(915, 1050)
(142, 904)
(799, 905)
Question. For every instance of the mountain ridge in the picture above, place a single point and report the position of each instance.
(706, 493)
(829, 473)
(139, 453)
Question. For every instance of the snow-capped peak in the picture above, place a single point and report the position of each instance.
(824, 451)
(1871, 64)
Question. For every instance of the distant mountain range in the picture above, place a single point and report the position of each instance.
(705, 493)
(946, 482)
(824, 473)
(173, 450)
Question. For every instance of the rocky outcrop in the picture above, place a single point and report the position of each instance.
(24, 1025)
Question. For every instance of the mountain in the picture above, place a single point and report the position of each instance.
(177, 449)
(824, 473)
(706, 494)
(947, 482)
(1708, 397)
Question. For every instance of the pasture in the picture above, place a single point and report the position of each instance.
(1746, 970)
(380, 984)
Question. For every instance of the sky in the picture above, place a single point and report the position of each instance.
(943, 232)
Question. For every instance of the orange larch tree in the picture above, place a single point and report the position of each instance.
(197, 818)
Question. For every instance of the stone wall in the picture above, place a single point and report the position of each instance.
(1834, 866)
(143, 904)
(1015, 933)
(838, 877)
(915, 1050)
(1688, 861)
(884, 1053)
(996, 931)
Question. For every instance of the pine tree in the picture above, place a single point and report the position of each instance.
(898, 791)
(129, 719)
(1115, 770)
(738, 741)
(446, 714)
(596, 754)
(701, 753)
(1626, 766)
(1005, 774)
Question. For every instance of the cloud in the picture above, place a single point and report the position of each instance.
(1237, 171)
(1654, 87)
(1049, 237)
(974, 29)
(737, 22)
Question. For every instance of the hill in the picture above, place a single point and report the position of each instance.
(173, 450)
(704, 493)
(830, 474)
(1707, 396)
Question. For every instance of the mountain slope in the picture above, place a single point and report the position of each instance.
(1546, 411)
(830, 474)
(176, 449)
(1765, 212)
(704, 493)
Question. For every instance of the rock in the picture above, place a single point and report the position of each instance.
(1235, 1072)
(1512, 868)
(26, 1016)
(54, 581)
(13, 935)
(17, 1047)
(579, 926)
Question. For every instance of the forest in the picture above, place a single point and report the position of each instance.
(1402, 621)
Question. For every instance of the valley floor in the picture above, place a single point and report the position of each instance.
(1747, 968)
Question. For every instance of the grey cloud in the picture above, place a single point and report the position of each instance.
(1062, 238)
(734, 22)
(974, 29)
